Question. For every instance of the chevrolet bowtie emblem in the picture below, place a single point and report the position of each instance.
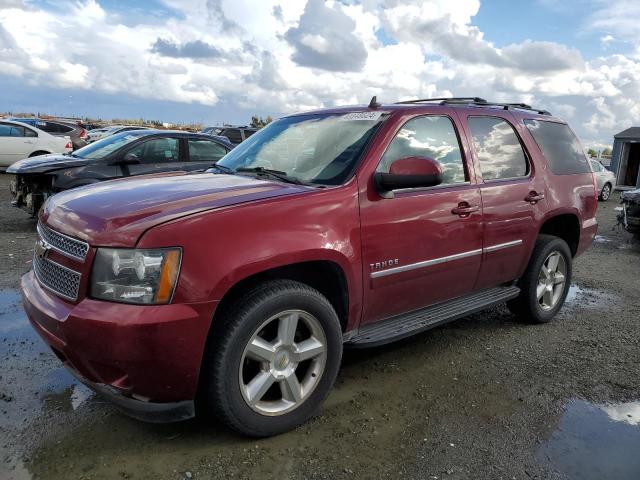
(42, 248)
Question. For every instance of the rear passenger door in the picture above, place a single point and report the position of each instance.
(512, 196)
(14, 144)
(203, 153)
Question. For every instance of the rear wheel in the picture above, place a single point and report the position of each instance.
(606, 192)
(274, 359)
(546, 281)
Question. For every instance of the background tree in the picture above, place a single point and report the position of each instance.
(259, 122)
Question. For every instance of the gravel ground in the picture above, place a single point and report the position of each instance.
(480, 398)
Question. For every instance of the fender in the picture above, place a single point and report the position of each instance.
(243, 240)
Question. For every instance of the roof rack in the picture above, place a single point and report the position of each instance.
(476, 102)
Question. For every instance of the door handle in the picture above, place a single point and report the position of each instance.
(464, 209)
(534, 197)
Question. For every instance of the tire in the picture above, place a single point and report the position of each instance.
(528, 306)
(605, 194)
(230, 368)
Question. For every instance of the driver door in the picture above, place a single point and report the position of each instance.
(424, 245)
(159, 154)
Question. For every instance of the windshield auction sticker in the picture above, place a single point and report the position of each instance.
(370, 116)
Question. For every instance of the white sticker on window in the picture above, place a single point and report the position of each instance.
(369, 116)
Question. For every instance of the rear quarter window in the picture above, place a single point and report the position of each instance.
(560, 146)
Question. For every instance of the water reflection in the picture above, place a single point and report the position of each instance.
(596, 442)
(32, 379)
(588, 297)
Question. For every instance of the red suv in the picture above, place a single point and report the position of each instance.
(234, 290)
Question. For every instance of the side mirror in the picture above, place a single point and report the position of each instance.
(408, 172)
(129, 159)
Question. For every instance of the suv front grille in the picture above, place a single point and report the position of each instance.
(76, 249)
(60, 280)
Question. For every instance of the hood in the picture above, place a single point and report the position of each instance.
(46, 163)
(117, 212)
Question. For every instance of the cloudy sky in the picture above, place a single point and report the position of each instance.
(223, 60)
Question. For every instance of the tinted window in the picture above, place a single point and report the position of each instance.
(205, 151)
(233, 134)
(158, 150)
(560, 147)
(11, 130)
(248, 133)
(433, 137)
(5, 130)
(48, 127)
(64, 128)
(498, 148)
(29, 133)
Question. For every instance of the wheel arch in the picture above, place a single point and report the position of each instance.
(38, 152)
(326, 276)
(564, 225)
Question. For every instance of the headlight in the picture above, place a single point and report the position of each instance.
(135, 275)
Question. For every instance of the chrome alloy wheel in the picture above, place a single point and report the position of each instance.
(551, 281)
(283, 362)
(606, 192)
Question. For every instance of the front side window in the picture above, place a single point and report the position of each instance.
(315, 148)
(560, 147)
(498, 148)
(157, 150)
(432, 137)
(205, 151)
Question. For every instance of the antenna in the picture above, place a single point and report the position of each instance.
(374, 102)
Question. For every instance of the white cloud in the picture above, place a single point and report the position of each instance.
(289, 55)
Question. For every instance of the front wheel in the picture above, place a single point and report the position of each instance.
(605, 193)
(545, 283)
(275, 357)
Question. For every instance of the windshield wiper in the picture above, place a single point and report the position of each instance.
(267, 172)
(222, 168)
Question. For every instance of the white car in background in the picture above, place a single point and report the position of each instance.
(100, 133)
(18, 141)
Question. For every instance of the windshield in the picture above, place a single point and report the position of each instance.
(106, 146)
(320, 149)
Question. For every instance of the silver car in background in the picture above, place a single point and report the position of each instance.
(605, 180)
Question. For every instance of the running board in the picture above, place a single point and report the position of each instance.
(407, 324)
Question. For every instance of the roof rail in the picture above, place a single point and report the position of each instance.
(447, 100)
(476, 102)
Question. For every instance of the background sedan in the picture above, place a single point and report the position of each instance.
(124, 154)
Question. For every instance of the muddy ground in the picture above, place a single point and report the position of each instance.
(486, 397)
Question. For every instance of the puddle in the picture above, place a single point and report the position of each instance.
(31, 379)
(601, 239)
(588, 297)
(596, 442)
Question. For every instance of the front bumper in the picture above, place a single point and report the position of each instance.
(145, 359)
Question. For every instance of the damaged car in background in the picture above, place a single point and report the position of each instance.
(124, 154)
(629, 217)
